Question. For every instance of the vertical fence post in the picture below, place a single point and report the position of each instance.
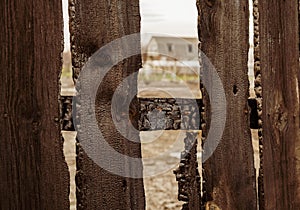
(279, 48)
(33, 174)
(93, 24)
(229, 173)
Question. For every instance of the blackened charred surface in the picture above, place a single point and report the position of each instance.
(66, 113)
(223, 32)
(252, 102)
(187, 174)
(153, 114)
(34, 174)
(169, 114)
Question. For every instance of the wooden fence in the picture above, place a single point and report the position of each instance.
(34, 173)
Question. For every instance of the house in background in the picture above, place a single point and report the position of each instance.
(175, 55)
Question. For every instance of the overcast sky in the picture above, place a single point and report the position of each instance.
(170, 17)
(174, 17)
(66, 25)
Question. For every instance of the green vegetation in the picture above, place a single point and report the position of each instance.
(66, 72)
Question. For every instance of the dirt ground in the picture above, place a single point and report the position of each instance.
(70, 156)
(161, 153)
(160, 188)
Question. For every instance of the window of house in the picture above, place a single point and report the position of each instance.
(170, 47)
(190, 48)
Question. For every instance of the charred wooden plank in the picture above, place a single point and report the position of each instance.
(162, 114)
(93, 24)
(187, 174)
(155, 114)
(169, 114)
(66, 113)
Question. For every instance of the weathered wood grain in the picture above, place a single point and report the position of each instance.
(94, 24)
(229, 172)
(279, 49)
(33, 172)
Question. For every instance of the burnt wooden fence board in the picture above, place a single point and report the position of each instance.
(161, 114)
(67, 123)
(279, 50)
(155, 114)
(229, 172)
(33, 174)
(169, 114)
(187, 174)
(94, 24)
